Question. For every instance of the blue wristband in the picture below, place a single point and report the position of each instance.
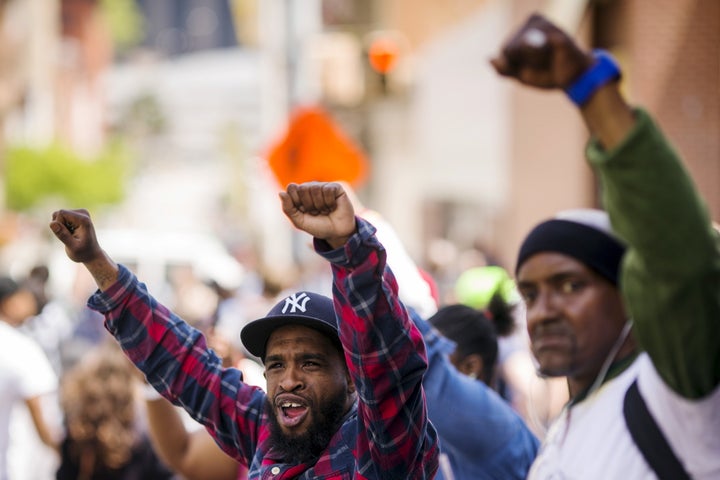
(603, 71)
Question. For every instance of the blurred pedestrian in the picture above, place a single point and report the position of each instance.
(481, 435)
(26, 376)
(538, 399)
(625, 304)
(51, 327)
(475, 334)
(105, 437)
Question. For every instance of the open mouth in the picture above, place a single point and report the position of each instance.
(291, 412)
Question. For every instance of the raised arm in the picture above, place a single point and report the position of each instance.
(173, 355)
(541, 55)
(672, 265)
(75, 230)
(384, 352)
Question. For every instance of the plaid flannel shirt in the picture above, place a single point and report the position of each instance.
(385, 435)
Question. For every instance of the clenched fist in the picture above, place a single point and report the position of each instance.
(321, 209)
(541, 55)
(75, 230)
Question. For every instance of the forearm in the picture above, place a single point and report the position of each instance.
(388, 354)
(167, 432)
(608, 116)
(373, 321)
(194, 455)
(671, 268)
(103, 270)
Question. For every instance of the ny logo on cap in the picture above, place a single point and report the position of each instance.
(296, 302)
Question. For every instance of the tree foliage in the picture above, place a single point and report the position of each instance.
(33, 175)
(125, 21)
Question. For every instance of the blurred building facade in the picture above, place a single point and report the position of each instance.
(669, 53)
(460, 159)
(486, 159)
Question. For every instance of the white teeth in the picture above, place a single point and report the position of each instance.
(290, 405)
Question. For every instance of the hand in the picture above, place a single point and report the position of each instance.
(541, 55)
(321, 209)
(75, 230)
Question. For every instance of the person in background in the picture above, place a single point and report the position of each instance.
(26, 376)
(489, 288)
(51, 327)
(481, 436)
(105, 437)
(625, 302)
(475, 334)
(538, 400)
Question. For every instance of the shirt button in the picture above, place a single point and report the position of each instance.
(275, 470)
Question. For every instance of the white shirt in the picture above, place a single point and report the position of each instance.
(590, 440)
(25, 373)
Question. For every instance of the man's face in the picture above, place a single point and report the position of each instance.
(309, 388)
(574, 316)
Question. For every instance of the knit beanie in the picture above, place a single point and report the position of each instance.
(584, 234)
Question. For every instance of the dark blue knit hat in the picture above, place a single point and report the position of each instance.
(583, 234)
(301, 308)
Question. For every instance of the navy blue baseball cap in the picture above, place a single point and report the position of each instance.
(301, 308)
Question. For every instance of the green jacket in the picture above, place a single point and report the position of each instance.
(671, 272)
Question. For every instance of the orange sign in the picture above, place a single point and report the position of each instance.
(314, 149)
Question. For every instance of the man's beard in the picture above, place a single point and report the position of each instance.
(308, 445)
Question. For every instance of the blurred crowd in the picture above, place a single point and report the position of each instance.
(72, 405)
(450, 343)
(75, 407)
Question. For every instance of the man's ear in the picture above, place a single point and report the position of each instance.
(472, 366)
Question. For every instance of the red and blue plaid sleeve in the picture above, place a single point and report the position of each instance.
(178, 363)
(386, 357)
